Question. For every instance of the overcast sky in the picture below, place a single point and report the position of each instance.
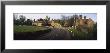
(36, 16)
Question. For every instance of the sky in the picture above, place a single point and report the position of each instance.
(36, 16)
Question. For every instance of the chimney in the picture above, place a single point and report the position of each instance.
(84, 17)
(80, 16)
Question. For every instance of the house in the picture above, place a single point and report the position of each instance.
(39, 22)
(55, 24)
(46, 22)
(84, 24)
(80, 23)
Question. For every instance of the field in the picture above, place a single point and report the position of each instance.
(27, 28)
(29, 32)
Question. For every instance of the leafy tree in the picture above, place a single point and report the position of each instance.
(22, 18)
(28, 22)
(47, 18)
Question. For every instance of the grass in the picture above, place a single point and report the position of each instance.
(76, 32)
(27, 28)
(29, 32)
(79, 35)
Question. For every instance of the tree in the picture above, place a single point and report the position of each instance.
(15, 19)
(34, 20)
(22, 19)
(28, 22)
(40, 19)
(64, 17)
(63, 20)
(47, 18)
(68, 20)
(71, 21)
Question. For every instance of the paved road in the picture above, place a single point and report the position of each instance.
(56, 34)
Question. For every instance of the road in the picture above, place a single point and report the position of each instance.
(56, 34)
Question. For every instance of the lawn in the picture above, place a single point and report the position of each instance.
(29, 32)
(27, 28)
